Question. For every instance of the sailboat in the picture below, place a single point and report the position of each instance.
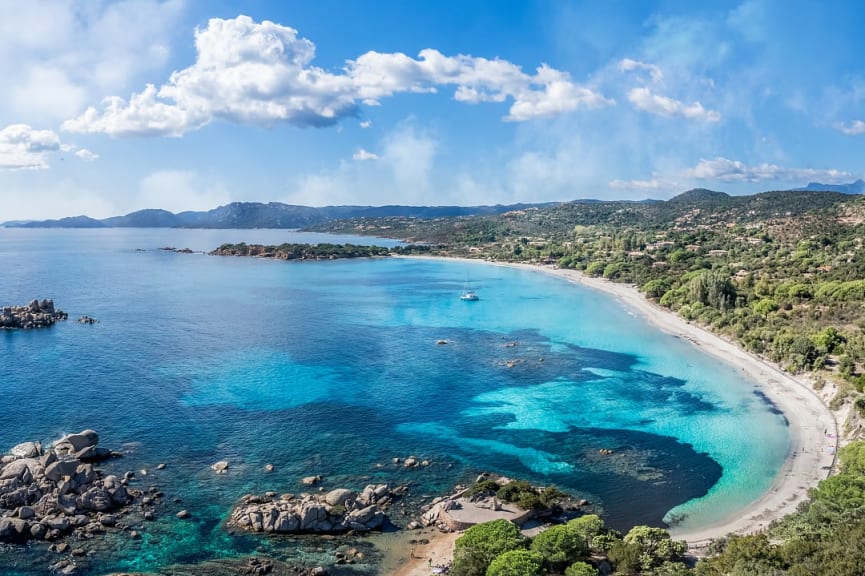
(468, 294)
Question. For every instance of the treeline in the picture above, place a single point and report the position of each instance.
(579, 548)
(286, 251)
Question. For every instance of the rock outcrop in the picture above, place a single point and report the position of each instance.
(46, 494)
(34, 315)
(339, 510)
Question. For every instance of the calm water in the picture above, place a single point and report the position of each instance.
(333, 368)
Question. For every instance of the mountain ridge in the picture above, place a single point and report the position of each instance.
(264, 215)
(277, 215)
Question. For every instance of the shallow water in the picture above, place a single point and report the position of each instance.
(334, 368)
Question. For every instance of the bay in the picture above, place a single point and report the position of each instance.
(336, 367)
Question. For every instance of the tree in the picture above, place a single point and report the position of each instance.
(580, 569)
(765, 306)
(743, 555)
(627, 558)
(852, 458)
(654, 546)
(476, 549)
(559, 546)
(587, 527)
(828, 340)
(517, 563)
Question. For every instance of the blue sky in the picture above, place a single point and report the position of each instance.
(111, 107)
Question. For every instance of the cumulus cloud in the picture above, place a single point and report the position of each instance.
(365, 155)
(629, 65)
(726, 170)
(644, 99)
(261, 73)
(86, 154)
(23, 148)
(853, 128)
(366, 124)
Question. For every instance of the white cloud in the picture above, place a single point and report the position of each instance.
(629, 65)
(65, 53)
(853, 128)
(22, 147)
(726, 170)
(366, 124)
(180, 190)
(365, 155)
(86, 154)
(261, 73)
(559, 95)
(644, 99)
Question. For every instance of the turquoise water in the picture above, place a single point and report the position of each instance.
(334, 368)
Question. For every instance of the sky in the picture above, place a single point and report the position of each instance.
(114, 106)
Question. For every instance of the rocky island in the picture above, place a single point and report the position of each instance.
(37, 314)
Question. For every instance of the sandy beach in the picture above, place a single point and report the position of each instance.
(813, 427)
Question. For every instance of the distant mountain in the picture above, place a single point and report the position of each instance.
(857, 187)
(144, 219)
(70, 222)
(260, 215)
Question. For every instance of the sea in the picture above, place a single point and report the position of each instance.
(335, 368)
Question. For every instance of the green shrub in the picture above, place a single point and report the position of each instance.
(476, 549)
(560, 546)
(517, 563)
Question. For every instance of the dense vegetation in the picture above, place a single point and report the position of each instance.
(579, 548)
(322, 251)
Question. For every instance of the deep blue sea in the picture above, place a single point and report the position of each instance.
(334, 368)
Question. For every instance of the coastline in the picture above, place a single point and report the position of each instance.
(814, 434)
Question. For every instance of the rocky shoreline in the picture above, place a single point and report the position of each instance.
(340, 510)
(36, 314)
(57, 495)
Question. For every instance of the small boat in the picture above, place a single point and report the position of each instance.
(469, 296)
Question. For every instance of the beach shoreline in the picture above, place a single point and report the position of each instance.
(814, 434)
